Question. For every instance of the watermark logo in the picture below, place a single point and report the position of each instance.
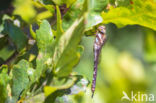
(140, 97)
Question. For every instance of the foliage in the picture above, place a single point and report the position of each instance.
(42, 44)
(121, 16)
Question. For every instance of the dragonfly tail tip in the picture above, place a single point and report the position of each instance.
(92, 95)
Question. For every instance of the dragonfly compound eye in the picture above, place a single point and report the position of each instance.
(102, 29)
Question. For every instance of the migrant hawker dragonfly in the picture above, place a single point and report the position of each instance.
(100, 40)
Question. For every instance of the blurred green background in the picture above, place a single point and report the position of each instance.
(127, 61)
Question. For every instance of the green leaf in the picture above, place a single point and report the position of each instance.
(6, 52)
(48, 90)
(20, 78)
(43, 15)
(141, 12)
(39, 98)
(75, 11)
(94, 18)
(44, 36)
(3, 41)
(50, 8)
(41, 61)
(122, 2)
(52, 92)
(48, 4)
(66, 67)
(93, 21)
(59, 23)
(41, 67)
(112, 1)
(33, 34)
(80, 49)
(65, 54)
(67, 2)
(150, 46)
(16, 34)
(3, 83)
(67, 83)
(98, 5)
(45, 43)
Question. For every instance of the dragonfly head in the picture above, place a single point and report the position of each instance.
(102, 29)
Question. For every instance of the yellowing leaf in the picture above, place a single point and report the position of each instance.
(44, 15)
(48, 90)
(24, 9)
(141, 12)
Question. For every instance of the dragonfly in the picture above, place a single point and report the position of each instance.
(100, 40)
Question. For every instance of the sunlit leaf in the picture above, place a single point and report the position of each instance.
(141, 12)
(44, 15)
(48, 90)
(24, 9)
(33, 34)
